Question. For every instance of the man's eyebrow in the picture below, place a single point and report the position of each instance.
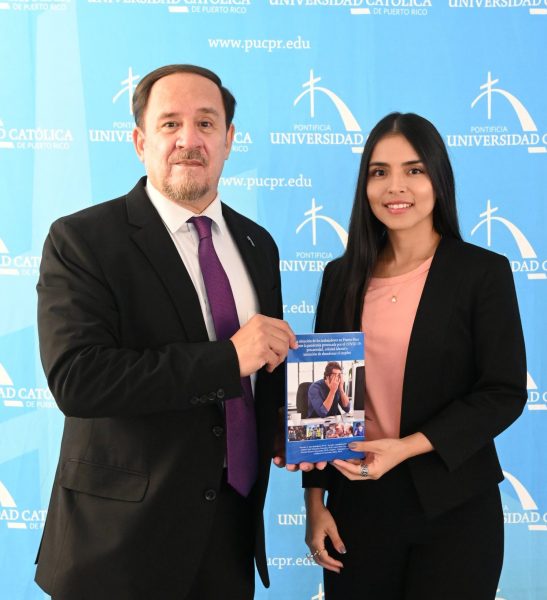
(204, 110)
(167, 115)
(209, 110)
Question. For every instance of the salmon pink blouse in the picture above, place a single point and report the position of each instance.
(388, 316)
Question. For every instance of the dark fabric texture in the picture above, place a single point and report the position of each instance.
(400, 554)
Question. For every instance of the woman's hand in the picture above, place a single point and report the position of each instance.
(320, 525)
(382, 455)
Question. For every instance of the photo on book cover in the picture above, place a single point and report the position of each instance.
(325, 403)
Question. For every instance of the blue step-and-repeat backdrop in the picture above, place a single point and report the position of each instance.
(311, 78)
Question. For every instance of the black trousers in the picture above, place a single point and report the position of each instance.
(227, 570)
(395, 553)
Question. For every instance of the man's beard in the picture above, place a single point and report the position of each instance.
(185, 192)
(188, 190)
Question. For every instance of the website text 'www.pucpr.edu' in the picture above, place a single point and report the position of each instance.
(299, 308)
(271, 183)
(281, 562)
(269, 45)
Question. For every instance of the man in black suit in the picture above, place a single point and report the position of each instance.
(140, 508)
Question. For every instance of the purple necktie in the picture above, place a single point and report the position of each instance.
(241, 442)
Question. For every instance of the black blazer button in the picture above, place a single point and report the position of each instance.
(218, 430)
(194, 400)
(212, 396)
(210, 495)
(203, 399)
(220, 394)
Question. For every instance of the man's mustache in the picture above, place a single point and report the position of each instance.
(193, 154)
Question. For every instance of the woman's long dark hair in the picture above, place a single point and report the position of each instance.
(367, 235)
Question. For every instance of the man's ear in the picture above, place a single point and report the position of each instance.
(229, 140)
(138, 142)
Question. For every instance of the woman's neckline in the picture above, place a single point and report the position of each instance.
(421, 268)
(429, 254)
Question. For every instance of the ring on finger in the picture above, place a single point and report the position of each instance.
(363, 471)
(314, 555)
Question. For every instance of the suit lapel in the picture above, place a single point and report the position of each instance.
(153, 239)
(429, 331)
(252, 255)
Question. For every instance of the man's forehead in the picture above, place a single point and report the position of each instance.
(187, 82)
(182, 92)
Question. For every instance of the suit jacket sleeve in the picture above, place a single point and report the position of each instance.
(89, 371)
(498, 393)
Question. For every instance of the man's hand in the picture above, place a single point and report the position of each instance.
(262, 341)
(279, 461)
(332, 383)
(279, 458)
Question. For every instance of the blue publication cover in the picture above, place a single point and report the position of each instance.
(325, 408)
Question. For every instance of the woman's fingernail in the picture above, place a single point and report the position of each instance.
(352, 445)
(342, 550)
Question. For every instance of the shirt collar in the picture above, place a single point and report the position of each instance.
(175, 216)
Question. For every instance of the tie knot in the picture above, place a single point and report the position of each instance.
(202, 225)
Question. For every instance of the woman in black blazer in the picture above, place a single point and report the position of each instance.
(420, 518)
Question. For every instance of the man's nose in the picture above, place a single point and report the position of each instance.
(188, 136)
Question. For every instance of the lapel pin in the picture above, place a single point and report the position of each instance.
(251, 241)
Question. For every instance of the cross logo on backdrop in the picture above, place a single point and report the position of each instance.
(314, 217)
(350, 122)
(130, 84)
(524, 117)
